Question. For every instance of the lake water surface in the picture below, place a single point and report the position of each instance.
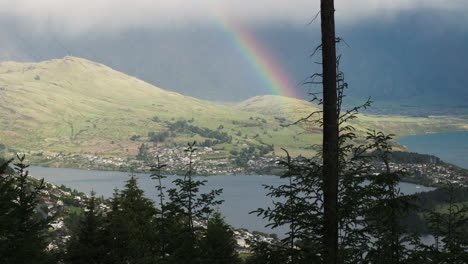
(242, 193)
(450, 147)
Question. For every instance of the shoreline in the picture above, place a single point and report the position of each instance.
(404, 180)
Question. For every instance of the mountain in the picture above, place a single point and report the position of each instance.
(76, 106)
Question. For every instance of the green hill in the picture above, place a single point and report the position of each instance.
(76, 106)
(294, 109)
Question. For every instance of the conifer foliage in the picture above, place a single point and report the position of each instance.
(450, 231)
(23, 232)
(137, 231)
(218, 245)
(130, 225)
(89, 244)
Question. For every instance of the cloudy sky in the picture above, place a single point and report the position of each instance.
(410, 50)
(78, 16)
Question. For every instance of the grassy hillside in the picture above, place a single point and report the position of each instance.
(294, 109)
(73, 105)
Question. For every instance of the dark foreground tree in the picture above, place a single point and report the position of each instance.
(134, 231)
(188, 205)
(167, 221)
(23, 231)
(130, 226)
(5, 167)
(267, 253)
(218, 245)
(90, 244)
(330, 132)
(369, 207)
(450, 230)
(391, 242)
(7, 198)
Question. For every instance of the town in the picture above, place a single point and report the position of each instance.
(175, 159)
(426, 173)
(424, 169)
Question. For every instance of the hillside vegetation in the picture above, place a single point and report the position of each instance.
(73, 105)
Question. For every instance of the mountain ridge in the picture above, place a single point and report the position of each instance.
(74, 105)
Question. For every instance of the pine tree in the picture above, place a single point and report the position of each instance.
(7, 217)
(164, 221)
(218, 245)
(295, 206)
(386, 210)
(23, 232)
(186, 205)
(450, 231)
(267, 253)
(89, 244)
(363, 199)
(130, 226)
(5, 167)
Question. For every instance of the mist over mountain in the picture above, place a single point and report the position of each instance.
(416, 58)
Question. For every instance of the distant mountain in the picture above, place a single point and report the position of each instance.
(73, 105)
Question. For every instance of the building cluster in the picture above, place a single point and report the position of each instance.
(244, 237)
(86, 160)
(176, 159)
(433, 174)
(206, 162)
(57, 202)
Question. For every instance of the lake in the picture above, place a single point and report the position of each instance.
(450, 147)
(242, 193)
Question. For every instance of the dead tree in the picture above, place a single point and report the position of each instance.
(330, 132)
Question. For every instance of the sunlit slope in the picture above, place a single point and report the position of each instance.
(289, 108)
(294, 109)
(75, 105)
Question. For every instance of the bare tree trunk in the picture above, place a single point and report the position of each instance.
(330, 132)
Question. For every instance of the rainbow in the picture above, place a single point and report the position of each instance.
(257, 55)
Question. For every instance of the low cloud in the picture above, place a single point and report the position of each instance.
(78, 16)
